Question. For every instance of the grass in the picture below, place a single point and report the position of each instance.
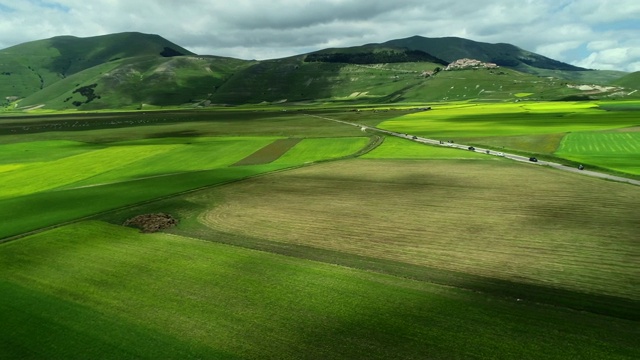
(528, 128)
(534, 261)
(109, 127)
(494, 219)
(396, 148)
(39, 210)
(52, 174)
(191, 298)
(180, 155)
(475, 120)
(41, 151)
(612, 150)
(319, 149)
(51, 181)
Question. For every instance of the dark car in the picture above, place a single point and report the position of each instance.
(580, 167)
(472, 148)
(532, 159)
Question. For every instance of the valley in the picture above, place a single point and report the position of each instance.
(323, 210)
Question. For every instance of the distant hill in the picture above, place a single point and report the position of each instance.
(138, 71)
(372, 54)
(631, 81)
(32, 66)
(453, 48)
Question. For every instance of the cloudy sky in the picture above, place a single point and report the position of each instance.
(597, 34)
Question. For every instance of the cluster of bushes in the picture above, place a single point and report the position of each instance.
(86, 91)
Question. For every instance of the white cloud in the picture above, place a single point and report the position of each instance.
(612, 59)
(266, 29)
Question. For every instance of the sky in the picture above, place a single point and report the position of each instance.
(596, 34)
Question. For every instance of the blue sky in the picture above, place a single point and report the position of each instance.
(597, 34)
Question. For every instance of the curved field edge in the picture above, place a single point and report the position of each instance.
(177, 296)
(494, 219)
(64, 189)
(503, 228)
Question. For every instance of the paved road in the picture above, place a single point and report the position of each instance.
(487, 151)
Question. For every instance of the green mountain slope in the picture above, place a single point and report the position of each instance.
(134, 82)
(134, 70)
(631, 81)
(506, 55)
(32, 66)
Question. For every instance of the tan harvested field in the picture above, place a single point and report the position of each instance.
(494, 218)
(269, 153)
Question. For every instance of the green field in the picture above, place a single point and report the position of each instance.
(300, 237)
(533, 128)
(99, 290)
(311, 150)
(396, 148)
(56, 176)
(613, 150)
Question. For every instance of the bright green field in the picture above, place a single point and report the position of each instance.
(55, 172)
(95, 290)
(613, 150)
(474, 120)
(533, 128)
(310, 150)
(180, 155)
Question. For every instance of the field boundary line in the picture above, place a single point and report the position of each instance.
(374, 142)
(489, 152)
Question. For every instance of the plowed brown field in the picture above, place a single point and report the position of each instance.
(497, 219)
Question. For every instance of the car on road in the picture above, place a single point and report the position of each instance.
(532, 159)
(580, 167)
(500, 154)
(472, 148)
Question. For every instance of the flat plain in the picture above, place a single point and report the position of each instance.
(344, 245)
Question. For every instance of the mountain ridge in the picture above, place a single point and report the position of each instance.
(131, 70)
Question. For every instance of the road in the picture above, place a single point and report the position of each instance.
(489, 152)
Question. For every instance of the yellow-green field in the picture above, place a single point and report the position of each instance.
(533, 128)
(614, 150)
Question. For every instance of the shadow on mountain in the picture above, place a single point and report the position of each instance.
(284, 80)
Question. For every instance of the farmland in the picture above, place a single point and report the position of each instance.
(538, 128)
(615, 150)
(305, 238)
(190, 298)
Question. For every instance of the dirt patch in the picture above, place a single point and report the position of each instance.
(269, 153)
(150, 223)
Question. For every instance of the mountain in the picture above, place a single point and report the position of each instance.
(631, 81)
(32, 66)
(372, 54)
(505, 55)
(110, 71)
(134, 71)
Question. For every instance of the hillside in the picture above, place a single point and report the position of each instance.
(135, 71)
(32, 66)
(631, 81)
(372, 54)
(506, 55)
(136, 82)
